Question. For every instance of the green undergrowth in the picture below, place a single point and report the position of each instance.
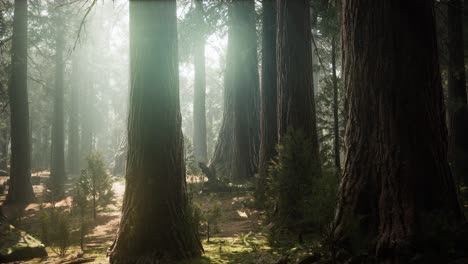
(238, 232)
(224, 250)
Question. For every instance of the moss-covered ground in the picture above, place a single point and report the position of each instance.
(238, 232)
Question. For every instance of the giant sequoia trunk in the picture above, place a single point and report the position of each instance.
(268, 112)
(457, 101)
(155, 225)
(296, 108)
(236, 152)
(73, 124)
(295, 85)
(20, 190)
(57, 162)
(397, 189)
(199, 112)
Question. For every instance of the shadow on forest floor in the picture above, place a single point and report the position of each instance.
(238, 233)
(236, 236)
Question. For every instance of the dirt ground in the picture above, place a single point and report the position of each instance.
(237, 232)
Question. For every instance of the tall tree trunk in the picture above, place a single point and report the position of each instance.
(155, 225)
(397, 187)
(86, 115)
(457, 100)
(57, 162)
(295, 85)
(269, 94)
(73, 125)
(296, 108)
(4, 140)
(199, 112)
(20, 191)
(46, 149)
(336, 121)
(236, 152)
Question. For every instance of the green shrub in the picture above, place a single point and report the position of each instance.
(209, 219)
(44, 221)
(191, 166)
(81, 203)
(55, 229)
(96, 184)
(91, 193)
(61, 234)
(300, 198)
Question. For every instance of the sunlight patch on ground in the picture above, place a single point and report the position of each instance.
(242, 214)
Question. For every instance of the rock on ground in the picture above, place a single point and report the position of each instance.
(17, 245)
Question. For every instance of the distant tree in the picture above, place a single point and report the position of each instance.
(269, 94)
(5, 73)
(73, 124)
(57, 163)
(199, 111)
(236, 152)
(87, 130)
(4, 140)
(336, 120)
(155, 225)
(457, 100)
(329, 102)
(20, 190)
(397, 193)
(87, 108)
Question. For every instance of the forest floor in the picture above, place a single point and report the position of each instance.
(237, 231)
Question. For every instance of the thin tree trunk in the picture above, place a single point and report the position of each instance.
(199, 111)
(4, 140)
(57, 163)
(457, 100)
(73, 125)
(86, 118)
(269, 94)
(236, 152)
(20, 191)
(156, 225)
(397, 189)
(45, 147)
(336, 121)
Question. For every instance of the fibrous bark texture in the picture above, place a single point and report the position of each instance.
(397, 187)
(457, 101)
(155, 225)
(269, 94)
(296, 110)
(20, 190)
(236, 152)
(295, 85)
